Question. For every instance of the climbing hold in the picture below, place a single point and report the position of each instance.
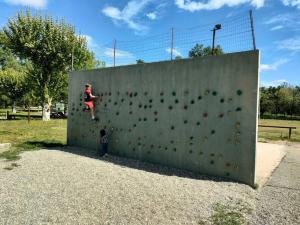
(239, 92)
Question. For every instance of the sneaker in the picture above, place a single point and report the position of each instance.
(95, 119)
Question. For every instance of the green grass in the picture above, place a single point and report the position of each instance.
(228, 214)
(279, 133)
(37, 134)
(26, 136)
(21, 112)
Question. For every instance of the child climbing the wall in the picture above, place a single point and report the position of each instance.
(89, 100)
(104, 136)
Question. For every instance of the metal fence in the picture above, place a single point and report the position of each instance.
(233, 34)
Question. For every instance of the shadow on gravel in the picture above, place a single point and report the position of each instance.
(145, 166)
(41, 144)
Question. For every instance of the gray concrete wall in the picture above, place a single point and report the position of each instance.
(196, 114)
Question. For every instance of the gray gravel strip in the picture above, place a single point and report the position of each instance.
(278, 202)
(56, 187)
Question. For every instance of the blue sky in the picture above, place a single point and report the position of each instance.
(148, 23)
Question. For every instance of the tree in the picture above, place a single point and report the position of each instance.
(199, 51)
(52, 47)
(140, 61)
(266, 104)
(12, 85)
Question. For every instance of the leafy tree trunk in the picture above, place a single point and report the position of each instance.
(46, 111)
(14, 109)
(47, 101)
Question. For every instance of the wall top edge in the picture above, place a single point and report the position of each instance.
(256, 52)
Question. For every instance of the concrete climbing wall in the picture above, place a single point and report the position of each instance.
(195, 114)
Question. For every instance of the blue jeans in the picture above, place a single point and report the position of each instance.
(104, 148)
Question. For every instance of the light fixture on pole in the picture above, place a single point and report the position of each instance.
(217, 27)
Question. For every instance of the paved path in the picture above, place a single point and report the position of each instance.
(278, 202)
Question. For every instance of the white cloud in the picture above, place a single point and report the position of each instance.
(273, 66)
(214, 4)
(119, 53)
(279, 27)
(288, 21)
(273, 83)
(291, 3)
(175, 52)
(152, 15)
(38, 4)
(128, 14)
(292, 44)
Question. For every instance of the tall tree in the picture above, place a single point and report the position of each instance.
(199, 51)
(12, 85)
(52, 47)
(140, 61)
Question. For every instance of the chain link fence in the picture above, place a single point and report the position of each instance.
(233, 34)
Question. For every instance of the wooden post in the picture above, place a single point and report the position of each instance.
(290, 132)
(28, 113)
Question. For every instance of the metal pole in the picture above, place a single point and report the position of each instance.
(115, 45)
(172, 42)
(213, 44)
(252, 30)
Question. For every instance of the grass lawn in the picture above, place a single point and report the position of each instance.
(37, 134)
(276, 133)
(26, 136)
(21, 112)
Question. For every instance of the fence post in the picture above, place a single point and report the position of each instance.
(252, 30)
(115, 45)
(172, 43)
(213, 43)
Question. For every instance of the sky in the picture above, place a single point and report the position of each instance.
(142, 29)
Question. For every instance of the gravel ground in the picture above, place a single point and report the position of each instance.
(57, 187)
(278, 202)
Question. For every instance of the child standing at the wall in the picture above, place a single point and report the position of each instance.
(89, 100)
(104, 136)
